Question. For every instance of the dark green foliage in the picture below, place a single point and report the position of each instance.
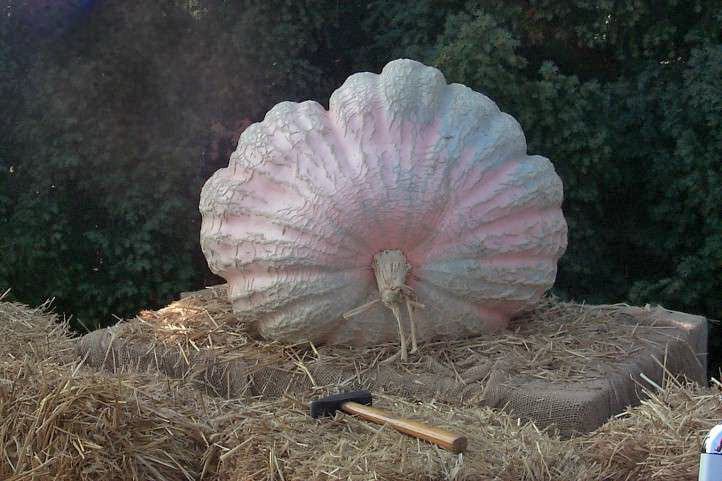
(403, 29)
(8, 89)
(103, 185)
(117, 113)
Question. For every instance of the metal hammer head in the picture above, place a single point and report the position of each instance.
(329, 405)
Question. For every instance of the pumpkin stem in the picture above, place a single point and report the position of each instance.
(410, 309)
(391, 268)
(360, 309)
(397, 314)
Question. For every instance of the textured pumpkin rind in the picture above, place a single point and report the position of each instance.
(400, 161)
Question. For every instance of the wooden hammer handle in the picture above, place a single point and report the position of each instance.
(447, 440)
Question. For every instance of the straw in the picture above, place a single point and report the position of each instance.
(660, 439)
(70, 423)
(278, 440)
(65, 421)
(35, 333)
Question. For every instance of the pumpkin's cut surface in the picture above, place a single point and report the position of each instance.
(401, 162)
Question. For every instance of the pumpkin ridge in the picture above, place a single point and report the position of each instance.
(502, 225)
(451, 206)
(288, 228)
(293, 297)
(313, 192)
(234, 208)
(280, 319)
(427, 284)
(271, 268)
(446, 279)
(512, 256)
(485, 230)
(486, 177)
(226, 239)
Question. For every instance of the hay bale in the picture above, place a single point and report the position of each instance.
(67, 422)
(661, 438)
(562, 364)
(277, 440)
(58, 423)
(657, 440)
(64, 422)
(35, 333)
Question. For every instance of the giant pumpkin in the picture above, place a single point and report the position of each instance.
(410, 198)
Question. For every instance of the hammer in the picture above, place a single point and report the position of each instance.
(359, 403)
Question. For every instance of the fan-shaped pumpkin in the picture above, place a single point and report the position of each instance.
(407, 185)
